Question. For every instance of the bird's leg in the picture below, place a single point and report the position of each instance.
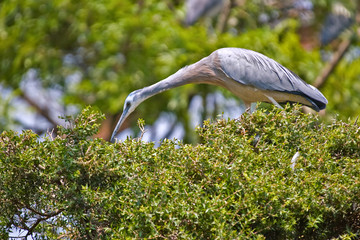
(274, 102)
(250, 107)
(253, 107)
(247, 107)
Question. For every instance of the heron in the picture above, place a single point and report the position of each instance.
(251, 76)
(198, 8)
(335, 23)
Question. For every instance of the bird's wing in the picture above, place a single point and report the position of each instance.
(252, 68)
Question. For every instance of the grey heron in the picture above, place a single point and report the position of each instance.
(198, 8)
(249, 75)
(335, 23)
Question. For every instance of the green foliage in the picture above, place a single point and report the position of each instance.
(115, 47)
(237, 183)
(84, 126)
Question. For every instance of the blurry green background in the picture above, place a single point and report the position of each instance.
(58, 56)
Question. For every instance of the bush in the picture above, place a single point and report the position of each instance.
(241, 181)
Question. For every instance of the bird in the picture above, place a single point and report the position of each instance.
(335, 23)
(198, 8)
(251, 76)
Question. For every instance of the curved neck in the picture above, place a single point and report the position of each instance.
(199, 72)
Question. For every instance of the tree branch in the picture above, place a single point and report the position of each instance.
(329, 68)
(48, 215)
(45, 217)
(41, 110)
(224, 16)
(343, 47)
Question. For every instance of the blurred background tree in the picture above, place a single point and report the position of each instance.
(58, 56)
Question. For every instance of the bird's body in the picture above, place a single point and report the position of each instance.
(249, 75)
(258, 77)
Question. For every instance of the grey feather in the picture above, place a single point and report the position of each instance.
(255, 69)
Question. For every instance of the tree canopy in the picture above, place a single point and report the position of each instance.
(271, 174)
(98, 52)
(266, 174)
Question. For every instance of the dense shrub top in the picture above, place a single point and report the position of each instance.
(241, 181)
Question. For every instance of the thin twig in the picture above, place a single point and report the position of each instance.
(356, 120)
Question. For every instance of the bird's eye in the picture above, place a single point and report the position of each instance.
(127, 105)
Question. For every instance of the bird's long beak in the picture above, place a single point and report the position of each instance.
(124, 115)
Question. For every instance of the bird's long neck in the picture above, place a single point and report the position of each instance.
(195, 73)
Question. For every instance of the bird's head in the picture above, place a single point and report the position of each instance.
(131, 102)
